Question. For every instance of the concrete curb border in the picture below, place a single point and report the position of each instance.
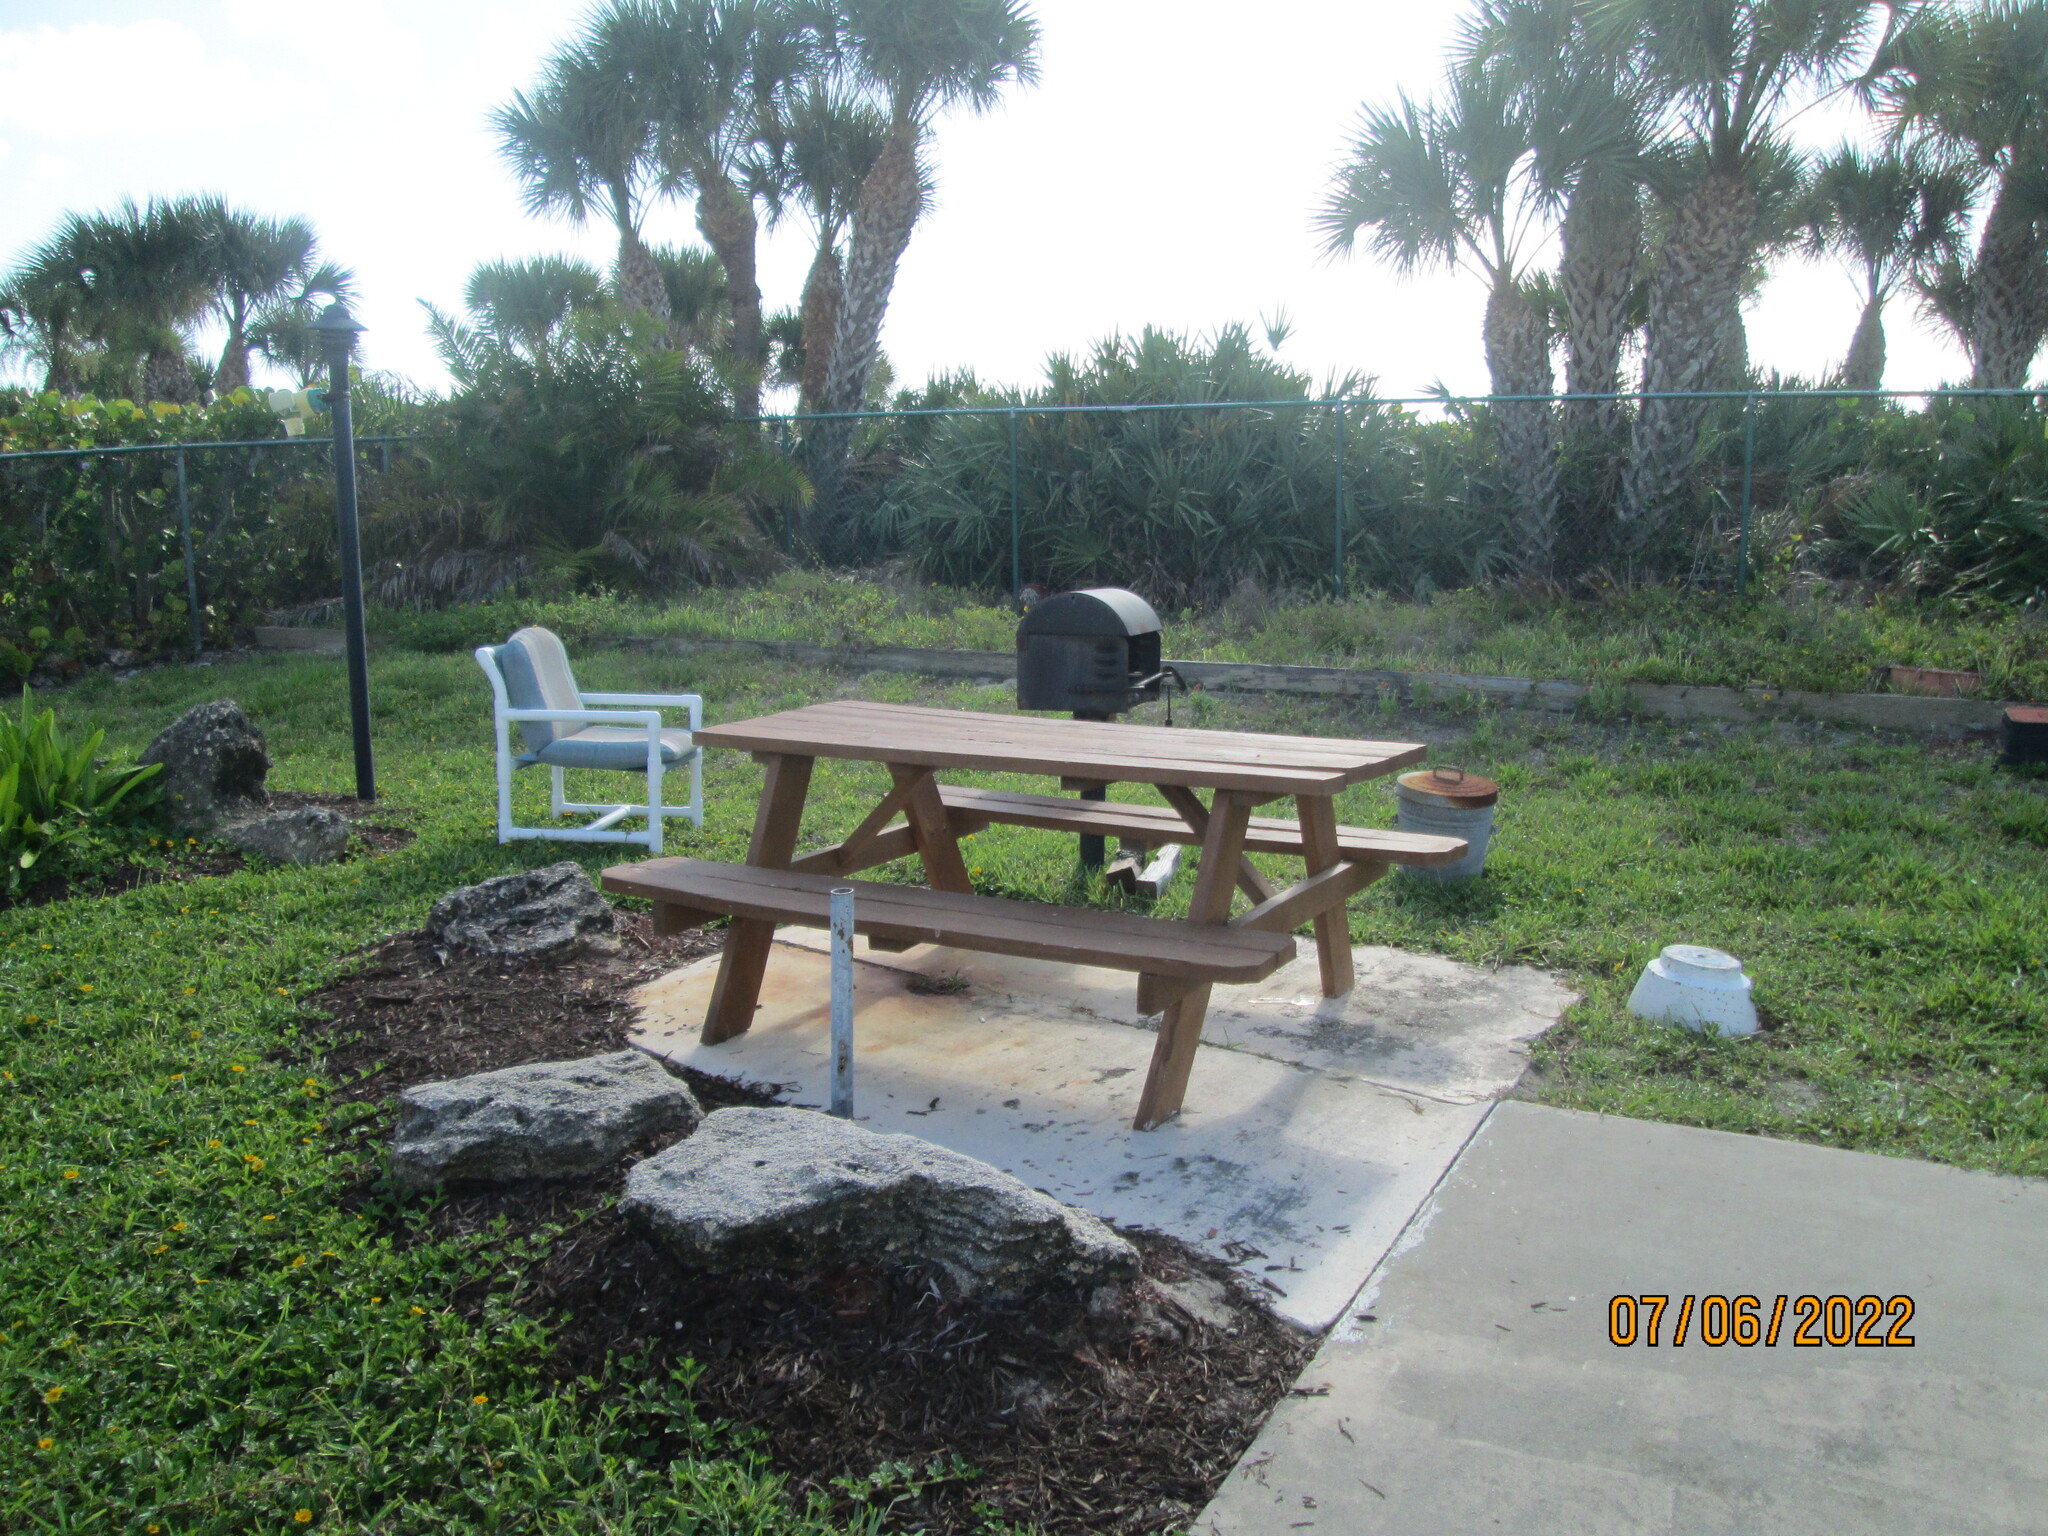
(1883, 711)
(1878, 711)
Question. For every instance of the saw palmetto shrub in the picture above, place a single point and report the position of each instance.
(1163, 487)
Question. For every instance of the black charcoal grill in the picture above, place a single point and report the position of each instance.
(1094, 653)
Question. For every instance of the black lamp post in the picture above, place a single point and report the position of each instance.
(338, 331)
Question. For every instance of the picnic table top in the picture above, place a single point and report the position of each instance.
(1110, 752)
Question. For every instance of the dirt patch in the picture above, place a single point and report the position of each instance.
(872, 1389)
(205, 860)
(417, 1012)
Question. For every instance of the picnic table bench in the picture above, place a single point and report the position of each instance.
(1176, 961)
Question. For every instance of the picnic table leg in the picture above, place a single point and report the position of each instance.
(1180, 1030)
(1333, 929)
(776, 821)
(1196, 815)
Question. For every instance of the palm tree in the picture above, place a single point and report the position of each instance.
(264, 274)
(135, 282)
(1722, 74)
(1977, 81)
(709, 74)
(42, 321)
(916, 57)
(523, 305)
(1584, 109)
(583, 143)
(828, 142)
(1451, 186)
(1888, 216)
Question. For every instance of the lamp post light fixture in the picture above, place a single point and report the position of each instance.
(338, 330)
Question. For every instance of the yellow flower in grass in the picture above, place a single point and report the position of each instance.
(54, 1395)
(480, 1399)
(178, 1226)
(298, 1261)
(255, 1163)
(238, 1067)
(281, 992)
(214, 1143)
(70, 1173)
(46, 1444)
(304, 1517)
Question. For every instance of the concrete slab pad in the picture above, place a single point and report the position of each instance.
(1301, 1169)
(1416, 1023)
(1474, 1387)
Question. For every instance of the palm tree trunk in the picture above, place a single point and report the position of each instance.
(1518, 361)
(1602, 239)
(166, 376)
(726, 218)
(822, 291)
(883, 217)
(1864, 368)
(636, 276)
(2010, 289)
(233, 372)
(1698, 276)
(1731, 346)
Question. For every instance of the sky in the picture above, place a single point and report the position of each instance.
(1165, 171)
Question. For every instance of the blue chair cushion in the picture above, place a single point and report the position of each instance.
(537, 676)
(623, 747)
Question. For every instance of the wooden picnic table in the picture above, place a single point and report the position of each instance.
(1178, 962)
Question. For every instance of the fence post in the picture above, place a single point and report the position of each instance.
(1748, 486)
(1337, 548)
(1016, 520)
(191, 576)
(788, 516)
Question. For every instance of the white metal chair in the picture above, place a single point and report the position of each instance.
(533, 688)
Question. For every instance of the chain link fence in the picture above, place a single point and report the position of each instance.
(1423, 493)
(137, 543)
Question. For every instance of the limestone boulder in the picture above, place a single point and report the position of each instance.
(546, 1120)
(535, 914)
(214, 765)
(311, 834)
(794, 1190)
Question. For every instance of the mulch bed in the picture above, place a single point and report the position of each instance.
(1125, 1421)
(203, 861)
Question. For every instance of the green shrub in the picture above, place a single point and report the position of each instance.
(51, 792)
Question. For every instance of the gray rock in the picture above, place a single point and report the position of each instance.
(310, 835)
(214, 766)
(548, 1120)
(535, 914)
(793, 1189)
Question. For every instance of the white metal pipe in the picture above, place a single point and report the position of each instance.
(842, 1002)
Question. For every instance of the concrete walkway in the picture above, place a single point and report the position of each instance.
(1313, 1130)
(1473, 1387)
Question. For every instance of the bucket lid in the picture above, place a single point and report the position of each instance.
(1452, 785)
(1699, 960)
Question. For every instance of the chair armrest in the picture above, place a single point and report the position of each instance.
(648, 717)
(694, 703)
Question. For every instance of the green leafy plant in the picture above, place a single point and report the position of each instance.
(52, 792)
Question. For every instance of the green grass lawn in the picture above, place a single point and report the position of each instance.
(203, 1333)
